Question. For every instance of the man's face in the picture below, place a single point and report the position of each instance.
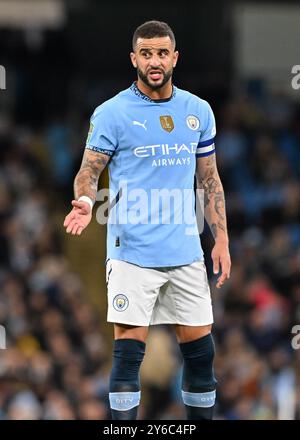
(154, 59)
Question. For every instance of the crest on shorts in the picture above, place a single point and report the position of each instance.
(167, 123)
(120, 302)
(193, 122)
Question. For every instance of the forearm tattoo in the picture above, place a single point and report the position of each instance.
(86, 180)
(214, 200)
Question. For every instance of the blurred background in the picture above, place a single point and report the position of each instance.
(62, 59)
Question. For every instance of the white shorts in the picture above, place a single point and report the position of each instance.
(142, 296)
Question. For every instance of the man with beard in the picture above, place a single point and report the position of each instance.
(154, 137)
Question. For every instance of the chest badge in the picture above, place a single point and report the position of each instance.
(193, 122)
(167, 123)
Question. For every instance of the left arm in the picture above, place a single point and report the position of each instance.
(215, 214)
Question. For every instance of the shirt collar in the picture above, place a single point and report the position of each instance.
(142, 95)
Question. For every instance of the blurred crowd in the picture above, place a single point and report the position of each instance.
(259, 159)
(57, 360)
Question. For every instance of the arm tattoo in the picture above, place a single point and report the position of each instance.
(213, 228)
(214, 200)
(86, 181)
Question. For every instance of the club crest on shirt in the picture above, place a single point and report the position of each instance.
(120, 302)
(167, 123)
(193, 122)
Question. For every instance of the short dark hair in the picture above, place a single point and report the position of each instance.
(152, 29)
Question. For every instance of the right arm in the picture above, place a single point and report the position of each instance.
(86, 180)
(85, 184)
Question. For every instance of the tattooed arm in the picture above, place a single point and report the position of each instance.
(214, 201)
(86, 180)
(215, 214)
(85, 184)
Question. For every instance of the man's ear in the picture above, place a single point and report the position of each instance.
(133, 59)
(176, 55)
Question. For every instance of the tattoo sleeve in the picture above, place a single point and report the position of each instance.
(86, 180)
(214, 200)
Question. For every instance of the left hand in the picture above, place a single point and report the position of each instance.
(221, 257)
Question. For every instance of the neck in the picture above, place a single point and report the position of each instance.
(164, 92)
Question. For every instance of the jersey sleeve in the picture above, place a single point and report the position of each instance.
(206, 145)
(102, 135)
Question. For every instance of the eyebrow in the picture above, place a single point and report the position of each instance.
(153, 48)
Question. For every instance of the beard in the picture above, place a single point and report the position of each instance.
(155, 85)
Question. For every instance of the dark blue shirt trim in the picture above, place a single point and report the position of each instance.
(99, 150)
(205, 154)
(206, 143)
(142, 95)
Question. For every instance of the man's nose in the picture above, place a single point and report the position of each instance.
(155, 61)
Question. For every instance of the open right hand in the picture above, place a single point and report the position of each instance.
(79, 218)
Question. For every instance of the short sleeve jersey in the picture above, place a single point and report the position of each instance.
(153, 146)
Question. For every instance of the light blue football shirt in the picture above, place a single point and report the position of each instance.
(153, 146)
